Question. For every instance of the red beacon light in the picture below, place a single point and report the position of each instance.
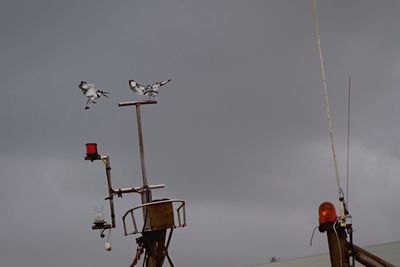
(91, 152)
(327, 213)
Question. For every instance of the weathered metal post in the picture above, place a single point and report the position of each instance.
(338, 247)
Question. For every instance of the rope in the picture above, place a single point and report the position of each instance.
(325, 92)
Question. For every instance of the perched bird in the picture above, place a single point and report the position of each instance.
(91, 92)
(150, 90)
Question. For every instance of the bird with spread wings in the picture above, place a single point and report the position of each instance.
(149, 90)
(91, 92)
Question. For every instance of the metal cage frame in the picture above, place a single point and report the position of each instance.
(180, 215)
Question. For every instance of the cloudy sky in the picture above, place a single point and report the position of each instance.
(240, 134)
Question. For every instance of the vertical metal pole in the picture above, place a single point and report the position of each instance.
(110, 190)
(348, 146)
(140, 135)
(146, 191)
(146, 195)
(338, 247)
(153, 241)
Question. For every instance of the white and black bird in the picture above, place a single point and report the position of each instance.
(150, 90)
(91, 92)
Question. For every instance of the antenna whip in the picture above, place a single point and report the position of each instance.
(327, 106)
(348, 144)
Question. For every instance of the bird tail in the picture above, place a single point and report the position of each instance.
(104, 93)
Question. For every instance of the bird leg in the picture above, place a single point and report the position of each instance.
(87, 104)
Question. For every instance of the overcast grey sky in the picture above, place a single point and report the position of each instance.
(240, 133)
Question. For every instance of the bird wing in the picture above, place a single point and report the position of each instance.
(156, 85)
(137, 87)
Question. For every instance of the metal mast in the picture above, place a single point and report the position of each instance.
(159, 216)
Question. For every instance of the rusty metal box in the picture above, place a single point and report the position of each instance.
(161, 216)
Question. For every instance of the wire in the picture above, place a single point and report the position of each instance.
(312, 235)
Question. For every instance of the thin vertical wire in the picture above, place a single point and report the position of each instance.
(325, 91)
(348, 144)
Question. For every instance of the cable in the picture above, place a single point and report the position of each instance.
(312, 235)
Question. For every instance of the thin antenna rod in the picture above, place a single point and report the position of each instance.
(325, 91)
(348, 144)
